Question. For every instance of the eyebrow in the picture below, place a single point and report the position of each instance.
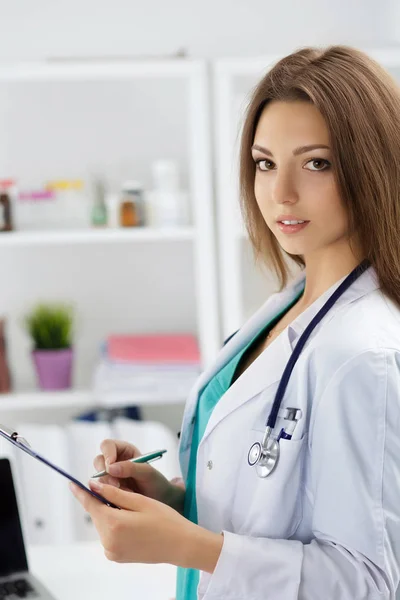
(296, 151)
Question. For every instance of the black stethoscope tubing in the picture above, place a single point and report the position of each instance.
(350, 279)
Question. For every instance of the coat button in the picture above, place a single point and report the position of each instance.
(210, 465)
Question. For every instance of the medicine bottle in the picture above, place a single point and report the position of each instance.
(6, 221)
(131, 206)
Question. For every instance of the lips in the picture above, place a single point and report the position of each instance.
(290, 218)
(292, 228)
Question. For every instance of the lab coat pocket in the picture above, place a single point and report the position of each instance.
(270, 506)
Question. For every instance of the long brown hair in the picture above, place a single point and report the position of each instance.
(360, 102)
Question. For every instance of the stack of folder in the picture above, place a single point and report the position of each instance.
(159, 366)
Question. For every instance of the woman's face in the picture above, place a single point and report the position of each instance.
(296, 182)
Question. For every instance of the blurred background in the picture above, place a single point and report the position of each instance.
(123, 260)
(207, 29)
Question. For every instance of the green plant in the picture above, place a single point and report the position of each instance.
(50, 326)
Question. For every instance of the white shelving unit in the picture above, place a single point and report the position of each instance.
(43, 400)
(243, 286)
(93, 236)
(22, 402)
(195, 245)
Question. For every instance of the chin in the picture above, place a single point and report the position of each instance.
(297, 249)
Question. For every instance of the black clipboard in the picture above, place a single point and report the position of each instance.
(14, 438)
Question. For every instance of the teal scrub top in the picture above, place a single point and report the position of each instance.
(188, 579)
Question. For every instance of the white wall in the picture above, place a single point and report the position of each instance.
(210, 28)
(394, 12)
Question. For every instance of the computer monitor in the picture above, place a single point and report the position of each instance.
(12, 550)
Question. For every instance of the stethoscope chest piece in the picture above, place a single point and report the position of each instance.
(264, 456)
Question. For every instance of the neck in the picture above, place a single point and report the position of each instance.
(324, 270)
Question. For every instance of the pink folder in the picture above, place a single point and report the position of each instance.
(154, 348)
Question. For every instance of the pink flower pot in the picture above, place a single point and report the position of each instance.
(54, 368)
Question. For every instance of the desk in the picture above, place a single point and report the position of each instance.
(81, 572)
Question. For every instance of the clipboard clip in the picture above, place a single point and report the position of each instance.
(13, 435)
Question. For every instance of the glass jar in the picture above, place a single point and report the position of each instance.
(131, 213)
(99, 208)
(7, 193)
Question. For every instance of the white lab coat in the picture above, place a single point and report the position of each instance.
(325, 525)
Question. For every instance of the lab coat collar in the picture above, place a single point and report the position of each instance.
(268, 368)
(366, 283)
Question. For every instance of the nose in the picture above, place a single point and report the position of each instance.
(284, 189)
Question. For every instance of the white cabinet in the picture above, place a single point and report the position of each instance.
(244, 287)
(73, 120)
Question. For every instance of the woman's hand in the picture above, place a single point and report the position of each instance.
(148, 531)
(135, 477)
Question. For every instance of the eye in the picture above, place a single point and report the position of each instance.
(321, 164)
(262, 164)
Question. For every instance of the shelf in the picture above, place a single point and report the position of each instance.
(20, 401)
(94, 236)
(77, 399)
(121, 399)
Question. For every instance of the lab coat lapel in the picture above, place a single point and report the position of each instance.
(269, 366)
(267, 312)
(263, 372)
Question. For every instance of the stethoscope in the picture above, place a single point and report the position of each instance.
(265, 456)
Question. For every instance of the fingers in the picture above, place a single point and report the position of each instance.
(99, 465)
(108, 480)
(126, 469)
(110, 451)
(123, 499)
(116, 450)
(88, 502)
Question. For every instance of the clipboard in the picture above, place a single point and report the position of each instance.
(14, 438)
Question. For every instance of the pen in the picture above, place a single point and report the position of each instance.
(146, 458)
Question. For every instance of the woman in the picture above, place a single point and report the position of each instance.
(320, 182)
